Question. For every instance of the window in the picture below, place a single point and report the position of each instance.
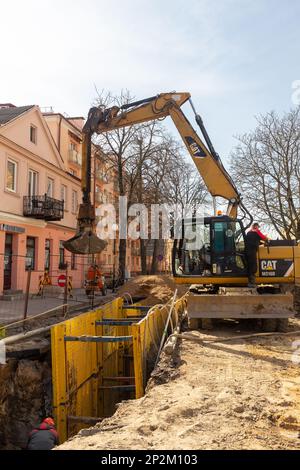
(63, 195)
(73, 261)
(61, 256)
(105, 198)
(33, 134)
(73, 146)
(47, 254)
(30, 254)
(74, 201)
(98, 195)
(11, 176)
(32, 183)
(50, 187)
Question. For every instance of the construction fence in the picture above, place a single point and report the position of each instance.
(28, 288)
(104, 356)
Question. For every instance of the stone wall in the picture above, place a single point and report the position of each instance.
(25, 398)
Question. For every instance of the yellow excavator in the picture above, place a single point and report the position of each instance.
(215, 267)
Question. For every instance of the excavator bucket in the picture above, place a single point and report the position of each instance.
(240, 303)
(84, 243)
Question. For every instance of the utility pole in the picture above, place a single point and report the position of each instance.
(27, 294)
(214, 205)
(114, 265)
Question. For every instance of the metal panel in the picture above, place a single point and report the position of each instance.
(240, 306)
(85, 372)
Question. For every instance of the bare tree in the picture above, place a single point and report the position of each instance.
(266, 166)
(150, 170)
(145, 146)
(172, 180)
(116, 144)
(128, 149)
(185, 186)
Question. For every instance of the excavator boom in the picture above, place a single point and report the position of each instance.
(208, 163)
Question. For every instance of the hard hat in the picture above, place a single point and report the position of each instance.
(49, 421)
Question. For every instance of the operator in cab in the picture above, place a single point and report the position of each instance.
(253, 238)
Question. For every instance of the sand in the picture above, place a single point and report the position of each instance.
(237, 395)
(155, 289)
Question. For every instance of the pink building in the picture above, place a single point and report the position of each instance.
(39, 193)
(40, 189)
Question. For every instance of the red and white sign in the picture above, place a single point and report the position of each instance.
(62, 280)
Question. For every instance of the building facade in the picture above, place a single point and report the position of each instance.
(40, 190)
(38, 200)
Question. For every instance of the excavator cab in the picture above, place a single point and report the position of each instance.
(211, 247)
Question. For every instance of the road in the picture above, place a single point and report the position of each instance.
(11, 311)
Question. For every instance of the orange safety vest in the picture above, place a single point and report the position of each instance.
(94, 274)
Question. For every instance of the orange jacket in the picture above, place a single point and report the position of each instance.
(93, 273)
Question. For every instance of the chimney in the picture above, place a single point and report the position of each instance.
(6, 105)
(77, 121)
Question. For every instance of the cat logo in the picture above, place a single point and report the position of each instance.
(194, 148)
(268, 265)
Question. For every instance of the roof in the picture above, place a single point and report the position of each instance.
(67, 119)
(7, 114)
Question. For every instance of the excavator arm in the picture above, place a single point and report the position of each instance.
(208, 163)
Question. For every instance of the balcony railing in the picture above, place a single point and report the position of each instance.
(75, 157)
(43, 207)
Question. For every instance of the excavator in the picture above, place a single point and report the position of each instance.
(214, 267)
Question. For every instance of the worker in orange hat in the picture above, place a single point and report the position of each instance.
(253, 238)
(94, 275)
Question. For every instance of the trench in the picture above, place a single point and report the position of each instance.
(26, 390)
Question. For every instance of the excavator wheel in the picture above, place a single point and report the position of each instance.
(269, 325)
(200, 323)
(206, 324)
(104, 291)
(283, 325)
(194, 323)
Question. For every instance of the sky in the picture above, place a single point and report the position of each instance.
(237, 58)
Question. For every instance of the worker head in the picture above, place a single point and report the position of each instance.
(49, 421)
(255, 226)
(219, 213)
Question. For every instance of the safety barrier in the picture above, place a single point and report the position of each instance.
(147, 335)
(102, 357)
(44, 280)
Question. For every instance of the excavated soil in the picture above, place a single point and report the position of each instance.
(155, 289)
(244, 394)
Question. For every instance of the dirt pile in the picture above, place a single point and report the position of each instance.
(237, 395)
(156, 289)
